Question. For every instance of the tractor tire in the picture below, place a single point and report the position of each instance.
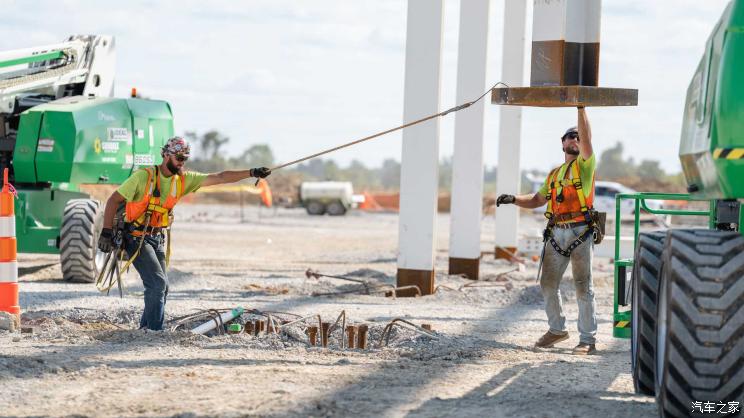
(78, 247)
(336, 209)
(645, 282)
(700, 324)
(315, 208)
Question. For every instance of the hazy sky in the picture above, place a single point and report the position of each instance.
(308, 75)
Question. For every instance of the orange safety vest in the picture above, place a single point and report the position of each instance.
(568, 201)
(136, 212)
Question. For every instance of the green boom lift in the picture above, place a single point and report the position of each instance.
(60, 129)
(686, 286)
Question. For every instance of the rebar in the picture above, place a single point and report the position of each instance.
(385, 336)
(341, 317)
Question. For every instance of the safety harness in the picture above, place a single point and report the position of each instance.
(556, 197)
(148, 216)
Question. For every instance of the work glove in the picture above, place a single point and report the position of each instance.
(261, 172)
(505, 199)
(105, 241)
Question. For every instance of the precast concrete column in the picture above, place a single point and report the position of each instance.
(510, 126)
(565, 43)
(420, 156)
(467, 161)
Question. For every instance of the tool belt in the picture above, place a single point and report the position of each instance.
(138, 231)
(595, 228)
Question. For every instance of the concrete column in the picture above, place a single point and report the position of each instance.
(510, 126)
(467, 161)
(420, 156)
(565, 43)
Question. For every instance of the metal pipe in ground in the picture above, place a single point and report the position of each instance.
(351, 332)
(324, 333)
(312, 334)
(362, 337)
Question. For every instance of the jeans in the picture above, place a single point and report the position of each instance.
(150, 264)
(554, 265)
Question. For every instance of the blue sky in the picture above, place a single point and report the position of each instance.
(304, 76)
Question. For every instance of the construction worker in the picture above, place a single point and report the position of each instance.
(148, 196)
(569, 191)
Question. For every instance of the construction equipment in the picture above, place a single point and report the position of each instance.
(60, 129)
(686, 286)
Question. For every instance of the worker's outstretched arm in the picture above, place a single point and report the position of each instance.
(523, 200)
(231, 176)
(585, 135)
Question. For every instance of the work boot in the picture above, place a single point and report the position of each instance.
(549, 339)
(584, 349)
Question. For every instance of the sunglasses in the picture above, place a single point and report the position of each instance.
(181, 158)
(571, 135)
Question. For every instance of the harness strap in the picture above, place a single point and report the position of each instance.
(578, 241)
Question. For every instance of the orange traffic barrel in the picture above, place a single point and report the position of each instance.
(8, 246)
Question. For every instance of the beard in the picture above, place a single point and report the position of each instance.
(569, 151)
(172, 167)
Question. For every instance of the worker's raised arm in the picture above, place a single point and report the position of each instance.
(585, 135)
(231, 176)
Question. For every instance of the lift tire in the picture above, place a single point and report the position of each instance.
(700, 325)
(336, 209)
(645, 281)
(78, 246)
(315, 208)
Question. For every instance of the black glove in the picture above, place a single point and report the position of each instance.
(105, 243)
(261, 172)
(505, 199)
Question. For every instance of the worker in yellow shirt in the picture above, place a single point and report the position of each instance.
(572, 227)
(149, 196)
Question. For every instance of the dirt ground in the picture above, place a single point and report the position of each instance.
(86, 358)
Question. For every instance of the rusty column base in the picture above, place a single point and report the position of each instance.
(564, 96)
(469, 267)
(424, 279)
(505, 252)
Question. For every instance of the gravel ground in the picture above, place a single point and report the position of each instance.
(85, 356)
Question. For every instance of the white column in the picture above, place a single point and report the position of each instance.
(467, 161)
(420, 155)
(565, 42)
(510, 125)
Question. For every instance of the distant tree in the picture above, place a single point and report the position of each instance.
(390, 174)
(259, 155)
(650, 169)
(611, 164)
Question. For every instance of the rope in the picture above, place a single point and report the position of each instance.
(416, 122)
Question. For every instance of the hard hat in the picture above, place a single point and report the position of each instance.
(177, 146)
(570, 130)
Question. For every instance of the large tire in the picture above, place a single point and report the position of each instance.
(315, 208)
(645, 281)
(81, 225)
(336, 209)
(700, 325)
